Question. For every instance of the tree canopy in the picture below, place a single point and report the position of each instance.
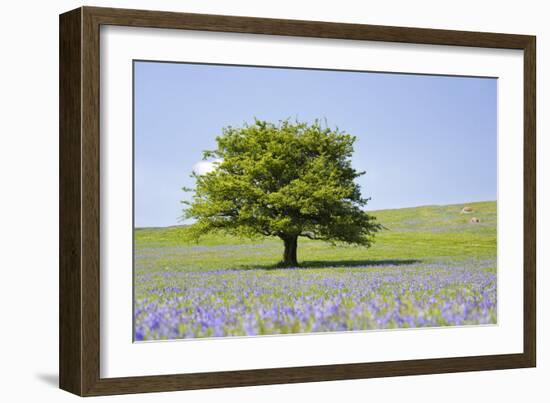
(288, 180)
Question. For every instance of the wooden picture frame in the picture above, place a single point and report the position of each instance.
(79, 279)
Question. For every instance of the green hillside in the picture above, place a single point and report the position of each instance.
(426, 234)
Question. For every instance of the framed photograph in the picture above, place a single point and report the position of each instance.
(249, 201)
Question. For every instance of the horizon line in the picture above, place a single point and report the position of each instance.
(369, 211)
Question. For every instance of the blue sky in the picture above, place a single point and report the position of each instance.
(421, 139)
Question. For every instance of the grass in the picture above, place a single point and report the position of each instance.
(426, 233)
(431, 259)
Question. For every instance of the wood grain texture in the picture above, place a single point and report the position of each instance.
(305, 374)
(316, 29)
(70, 274)
(530, 202)
(90, 202)
(80, 201)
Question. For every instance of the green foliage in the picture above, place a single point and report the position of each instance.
(431, 234)
(285, 180)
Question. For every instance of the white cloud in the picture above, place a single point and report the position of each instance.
(204, 167)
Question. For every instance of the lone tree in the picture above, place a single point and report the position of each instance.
(287, 180)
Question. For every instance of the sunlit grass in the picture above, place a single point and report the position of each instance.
(433, 260)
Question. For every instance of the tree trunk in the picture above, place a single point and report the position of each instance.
(291, 246)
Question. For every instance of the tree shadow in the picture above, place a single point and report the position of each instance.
(328, 264)
(357, 263)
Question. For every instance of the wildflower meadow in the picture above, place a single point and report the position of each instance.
(430, 267)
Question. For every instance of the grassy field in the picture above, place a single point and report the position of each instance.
(430, 267)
